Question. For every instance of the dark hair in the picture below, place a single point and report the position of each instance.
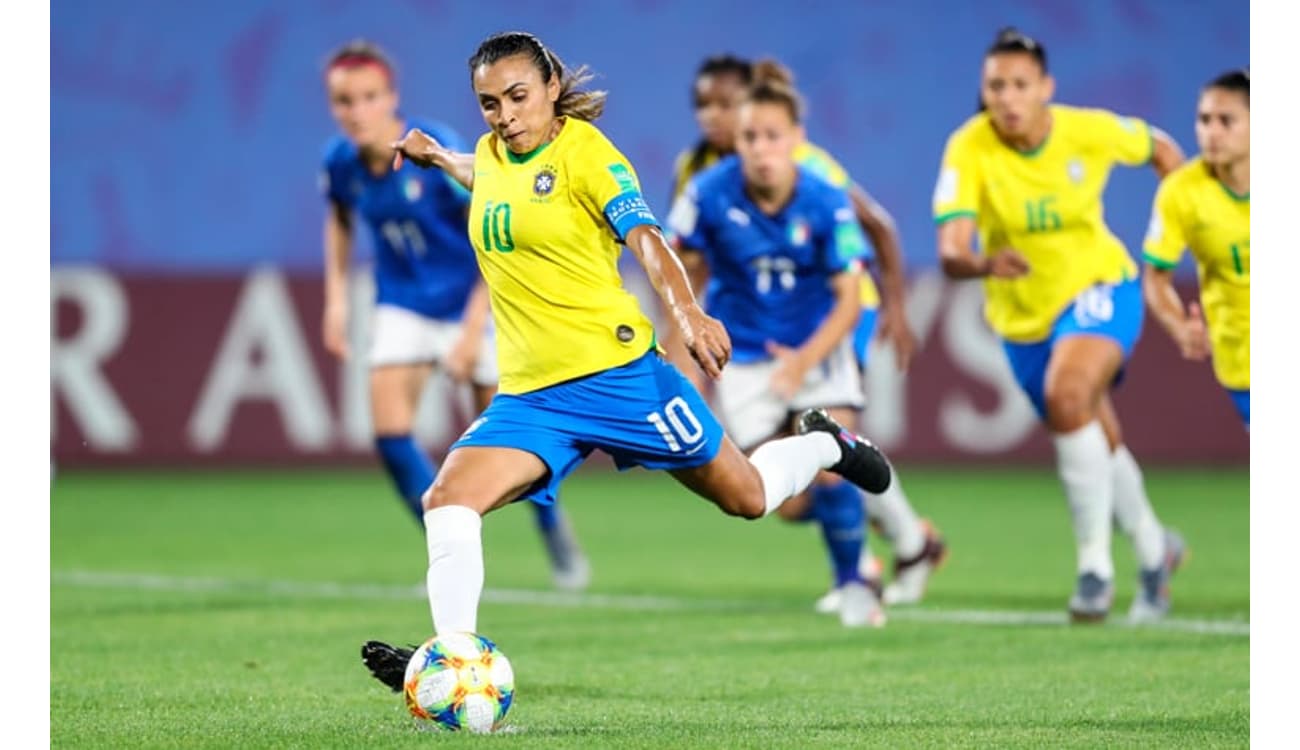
(1233, 80)
(573, 102)
(359, 52)
(1011, 39)
(726, 63)
(774, 84)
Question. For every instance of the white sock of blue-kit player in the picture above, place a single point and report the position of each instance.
(790, 464)
(898, 522)
(1084, 464)
(455, 578)
(1133, 511)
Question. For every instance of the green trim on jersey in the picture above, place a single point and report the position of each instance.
(1163, 265)
(1238, 198)
(522, 158)
(944, 218)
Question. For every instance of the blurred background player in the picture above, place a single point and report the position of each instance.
(782, 253)
(580, 370)
(718, 90)
(1062, 293)
(431, 306)
(1205, 205)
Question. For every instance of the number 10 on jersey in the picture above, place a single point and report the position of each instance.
(496, 227)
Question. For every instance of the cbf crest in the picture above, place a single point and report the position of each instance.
(544, 181)
(1075, 170)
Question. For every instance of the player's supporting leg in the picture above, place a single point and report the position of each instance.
(837, 506)
(1080, 369)
(1159, 550)
(918, 548)
(394, 395)
(570, 569)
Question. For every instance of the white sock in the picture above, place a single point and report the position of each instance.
(1084, 463)
(898, 522)
(1133, 511)
(455, 579)
(790, 464)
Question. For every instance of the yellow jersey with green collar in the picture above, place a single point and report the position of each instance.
(807, 155)
(1047, 205)
(1194, 210)
(547, 229)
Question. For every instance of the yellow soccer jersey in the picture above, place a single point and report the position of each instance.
(1193, 209)
(546, 229)
(1047, 205)
(807, 155)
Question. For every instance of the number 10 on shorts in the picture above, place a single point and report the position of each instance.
(677, 424)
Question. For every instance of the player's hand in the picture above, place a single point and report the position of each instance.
(895, 330)
(790, 370)
(419, 147)
(1193, 341)
(706, 339)
(334, 330)
(1007, 263)
(462, 358)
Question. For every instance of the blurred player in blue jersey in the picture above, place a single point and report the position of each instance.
(717, 92)
(554, 201)
(431, 307)
(784, 254)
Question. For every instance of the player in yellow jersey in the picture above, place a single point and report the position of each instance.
(552, 201)
(1205, 205)
(1062, 293)
(721, 83)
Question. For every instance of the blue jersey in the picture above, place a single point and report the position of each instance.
(423, 259)
(770, 275)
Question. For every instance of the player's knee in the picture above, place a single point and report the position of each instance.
(1069, 404)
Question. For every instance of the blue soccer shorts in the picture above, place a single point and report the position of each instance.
(1113, 311)
(644, 413)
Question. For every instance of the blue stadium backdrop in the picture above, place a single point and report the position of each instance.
(190, 137)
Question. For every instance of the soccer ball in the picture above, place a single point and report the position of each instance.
(460, 681)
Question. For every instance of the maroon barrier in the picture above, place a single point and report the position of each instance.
(152, 370)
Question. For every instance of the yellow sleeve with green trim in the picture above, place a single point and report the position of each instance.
(957, 191)
(1165, 240)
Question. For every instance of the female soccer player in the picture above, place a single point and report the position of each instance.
(1205, 205)
(431, 309)
(784, 253)
(552, 201)
(1062, 293)
(719, 88)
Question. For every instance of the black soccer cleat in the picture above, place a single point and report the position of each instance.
(860, 462)
(386, 663)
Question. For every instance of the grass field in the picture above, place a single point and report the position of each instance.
(227, 609)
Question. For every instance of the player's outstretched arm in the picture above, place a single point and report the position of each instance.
(425, 151)
(705, 338)
(880, 227)
(1166, 155)
(1185, 326)
(697, 273)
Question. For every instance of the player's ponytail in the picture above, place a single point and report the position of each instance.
(774, 84)
(573, 101)
(1233, 80)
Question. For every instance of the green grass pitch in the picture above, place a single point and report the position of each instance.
(227, 609)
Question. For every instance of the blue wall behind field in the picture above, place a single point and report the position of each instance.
(187, 136)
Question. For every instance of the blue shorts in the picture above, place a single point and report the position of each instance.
(1241, 400)
(1113, 311)
(862, 335)
(644, 413)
